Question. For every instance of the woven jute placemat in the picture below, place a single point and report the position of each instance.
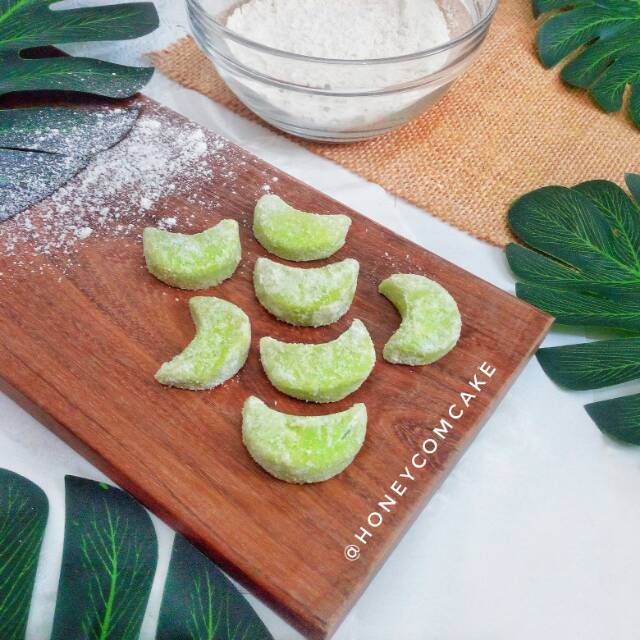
(506, 127)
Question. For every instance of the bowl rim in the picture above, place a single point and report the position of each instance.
(479, 26)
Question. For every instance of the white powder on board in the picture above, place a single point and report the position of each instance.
(338, 29)
(160, 158)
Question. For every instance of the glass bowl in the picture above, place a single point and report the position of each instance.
(362, 99)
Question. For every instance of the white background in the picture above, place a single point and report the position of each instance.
(534, 535)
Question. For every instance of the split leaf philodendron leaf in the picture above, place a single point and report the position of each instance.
(79, 132)
(575, 308)
(32, 23)
(109, 559)
(41, 149)
(619, 417)
(23, 517)
(593, 365)
(583, 267)
(606, 35)
(108, 564)
(200, 603)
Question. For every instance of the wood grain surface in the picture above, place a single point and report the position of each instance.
(81, 339)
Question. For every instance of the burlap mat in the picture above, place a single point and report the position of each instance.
(506, 127)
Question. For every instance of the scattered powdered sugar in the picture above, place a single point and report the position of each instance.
(161, 158)
(84, 232)
(166, 224)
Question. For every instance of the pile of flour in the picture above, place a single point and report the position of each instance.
(337, 29)
(343, 29)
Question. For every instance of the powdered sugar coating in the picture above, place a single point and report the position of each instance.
(195, 261)
(431, 321)
(218, 351)
(311, 297)
(302, 449)
(325, 372)
(296, 235)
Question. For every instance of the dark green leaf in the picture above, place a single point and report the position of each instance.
(592, 365)
(30, 23)
(569, 226)
(109, 559)
(78, 132)
(542, 6)
(606, 35)
(584, 70)
(618, 418)
(590, 276)
(40, 149)
(23, 517)
(633, 184)
(573, 308)
(621, 210)
(533, 268)
(26, 177)
(200, 603)
(71, 74)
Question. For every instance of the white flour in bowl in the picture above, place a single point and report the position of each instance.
(353, 30)
(338, 29)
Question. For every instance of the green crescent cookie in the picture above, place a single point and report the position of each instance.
(218, 351)
(431, 321)
(302, 449)
(311, 297)
(195, 261)
(297, 235)
(320, 372)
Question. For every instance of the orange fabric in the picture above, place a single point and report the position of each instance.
(508, 126)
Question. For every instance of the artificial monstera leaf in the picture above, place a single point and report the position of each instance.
(583, 267)
(619, 417)
(200, 603)
(40, 149)
(606, 36)
(23, 517)
(26, 24)
(108, 565)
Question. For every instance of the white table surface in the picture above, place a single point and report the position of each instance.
(535, 533)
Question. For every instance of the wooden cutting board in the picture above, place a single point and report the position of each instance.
(84, 328)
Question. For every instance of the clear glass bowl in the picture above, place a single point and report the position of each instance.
(364, 98)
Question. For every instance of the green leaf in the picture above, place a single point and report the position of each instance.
(23, 517)
(571, 227)
(574, 308)
(542, 6)
(78, 132)
(27, 177)
(71, 74)
(40, 149)
(109, 559)
(621, 210)
(583, 267)
(606, 36)
(592, 365)
(32, 23)
(633, 184)
(618, 418)
(533, 268)
(200, 603)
